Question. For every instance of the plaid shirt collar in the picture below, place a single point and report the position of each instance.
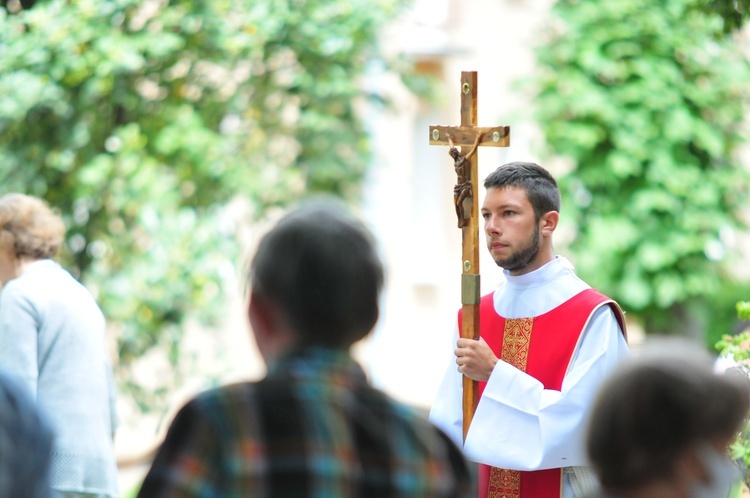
(307, 362)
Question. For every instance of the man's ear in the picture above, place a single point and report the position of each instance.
(688, 469)
(271, 333)
(548, 222)
(260, 314)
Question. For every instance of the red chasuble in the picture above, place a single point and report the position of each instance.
(543, 347)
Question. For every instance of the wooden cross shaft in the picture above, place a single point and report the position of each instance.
(469, 136)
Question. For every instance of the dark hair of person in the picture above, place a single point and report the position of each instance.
(651, 410)
(320, 265)
(541, 188)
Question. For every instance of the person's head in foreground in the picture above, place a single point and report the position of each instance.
(315, 281)
(661, 424)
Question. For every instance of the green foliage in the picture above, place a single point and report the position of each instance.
(737, 348)
(647, 98)
(721, 309)
(142, 120)
(734, 12)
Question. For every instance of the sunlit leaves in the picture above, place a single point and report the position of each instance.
(142, 119)
(648, 98)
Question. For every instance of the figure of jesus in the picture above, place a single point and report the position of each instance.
(462, 189)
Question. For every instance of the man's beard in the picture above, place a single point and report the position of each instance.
(521, 258)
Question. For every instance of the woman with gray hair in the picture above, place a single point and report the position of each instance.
(52, 340)
(662, 422)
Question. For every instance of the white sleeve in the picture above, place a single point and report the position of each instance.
(19, 331)
(520, 425)
(446, 411)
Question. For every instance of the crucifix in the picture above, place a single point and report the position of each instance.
(468, 136)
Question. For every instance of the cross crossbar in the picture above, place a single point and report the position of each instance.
(464, 136)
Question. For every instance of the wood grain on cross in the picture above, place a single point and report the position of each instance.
(469, 136)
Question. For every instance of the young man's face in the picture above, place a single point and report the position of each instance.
(513, 235)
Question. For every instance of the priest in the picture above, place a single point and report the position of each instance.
(547, 340)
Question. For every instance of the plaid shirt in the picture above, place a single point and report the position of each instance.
(312, 428)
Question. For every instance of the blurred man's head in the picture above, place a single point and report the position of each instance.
(664, 419)
(315, 280)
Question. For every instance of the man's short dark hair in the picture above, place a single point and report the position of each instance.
(541, 188)
(320, 265)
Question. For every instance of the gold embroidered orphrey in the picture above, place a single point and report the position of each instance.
(516, 339)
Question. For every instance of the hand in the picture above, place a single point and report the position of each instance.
(475, 359)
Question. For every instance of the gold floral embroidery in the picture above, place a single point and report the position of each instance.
(516, 340)
(504, 483)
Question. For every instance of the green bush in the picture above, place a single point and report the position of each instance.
(647, 102)
(737, 348)
(142, 120)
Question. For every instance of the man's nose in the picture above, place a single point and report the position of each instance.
(491, 225)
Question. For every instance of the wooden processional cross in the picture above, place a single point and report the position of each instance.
(468, 136)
